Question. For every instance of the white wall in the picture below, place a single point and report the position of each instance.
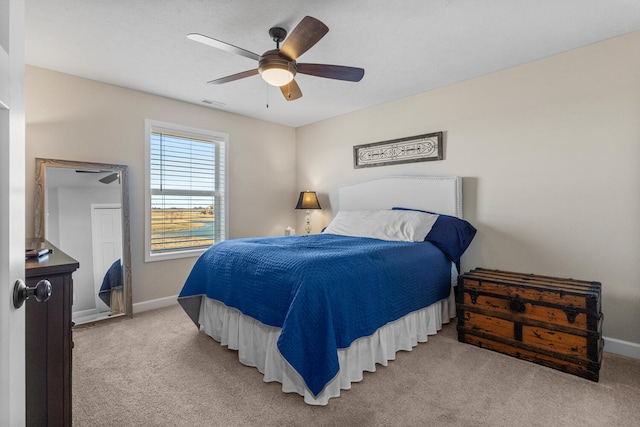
(73, 118)
(550, 155)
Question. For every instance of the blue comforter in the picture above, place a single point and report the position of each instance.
(323, 290)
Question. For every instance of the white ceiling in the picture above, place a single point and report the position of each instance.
(405, 46)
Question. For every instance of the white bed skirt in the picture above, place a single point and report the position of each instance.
(256, 344)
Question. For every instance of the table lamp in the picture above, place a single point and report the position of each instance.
(308, 200)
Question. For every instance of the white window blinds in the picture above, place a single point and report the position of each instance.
(186, 191)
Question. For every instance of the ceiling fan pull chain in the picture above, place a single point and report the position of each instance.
(267, 95)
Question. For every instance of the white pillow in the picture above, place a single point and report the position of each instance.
(393, 225)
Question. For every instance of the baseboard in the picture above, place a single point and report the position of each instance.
(623, 348)
(139, 307)
(83, 313)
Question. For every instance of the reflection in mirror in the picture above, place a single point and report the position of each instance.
(83, 209)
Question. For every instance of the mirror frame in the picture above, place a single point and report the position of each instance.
(39, 214)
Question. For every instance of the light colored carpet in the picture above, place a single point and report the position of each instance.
(158, 370)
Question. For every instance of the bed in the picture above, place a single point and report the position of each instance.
(315, 312)
(112, 288)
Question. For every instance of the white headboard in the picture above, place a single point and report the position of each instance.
(440, 194)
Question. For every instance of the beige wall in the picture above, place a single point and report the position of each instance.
(550, 155)
(549, 152)
(78, 119)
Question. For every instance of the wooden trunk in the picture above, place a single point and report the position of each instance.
(550, 321)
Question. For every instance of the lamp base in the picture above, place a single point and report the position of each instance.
(307, 220)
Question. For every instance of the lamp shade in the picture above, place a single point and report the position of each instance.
(308, 200)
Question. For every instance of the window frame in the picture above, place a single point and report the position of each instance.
(218, 138)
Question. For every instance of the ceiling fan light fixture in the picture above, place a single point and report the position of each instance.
(277, 76)
(276, 70)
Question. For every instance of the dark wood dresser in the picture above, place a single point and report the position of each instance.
(48, 340)
(547, 320)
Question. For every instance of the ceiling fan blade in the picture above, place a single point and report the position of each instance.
(109, 178)
(306, 34)
(222, 46)
(337, 72)
(291, 91)
(233, 77)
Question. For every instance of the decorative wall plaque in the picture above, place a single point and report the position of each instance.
(419, 148)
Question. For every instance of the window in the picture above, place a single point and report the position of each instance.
(185, 186)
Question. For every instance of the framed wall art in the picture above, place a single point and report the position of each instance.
(419, 148)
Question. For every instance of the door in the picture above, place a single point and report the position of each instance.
(12, 214)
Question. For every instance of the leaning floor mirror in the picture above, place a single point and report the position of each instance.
(82, 208)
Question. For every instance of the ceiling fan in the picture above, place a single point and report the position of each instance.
(107, 179)
(278, 66)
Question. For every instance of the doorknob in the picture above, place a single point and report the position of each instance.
(41, 291)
